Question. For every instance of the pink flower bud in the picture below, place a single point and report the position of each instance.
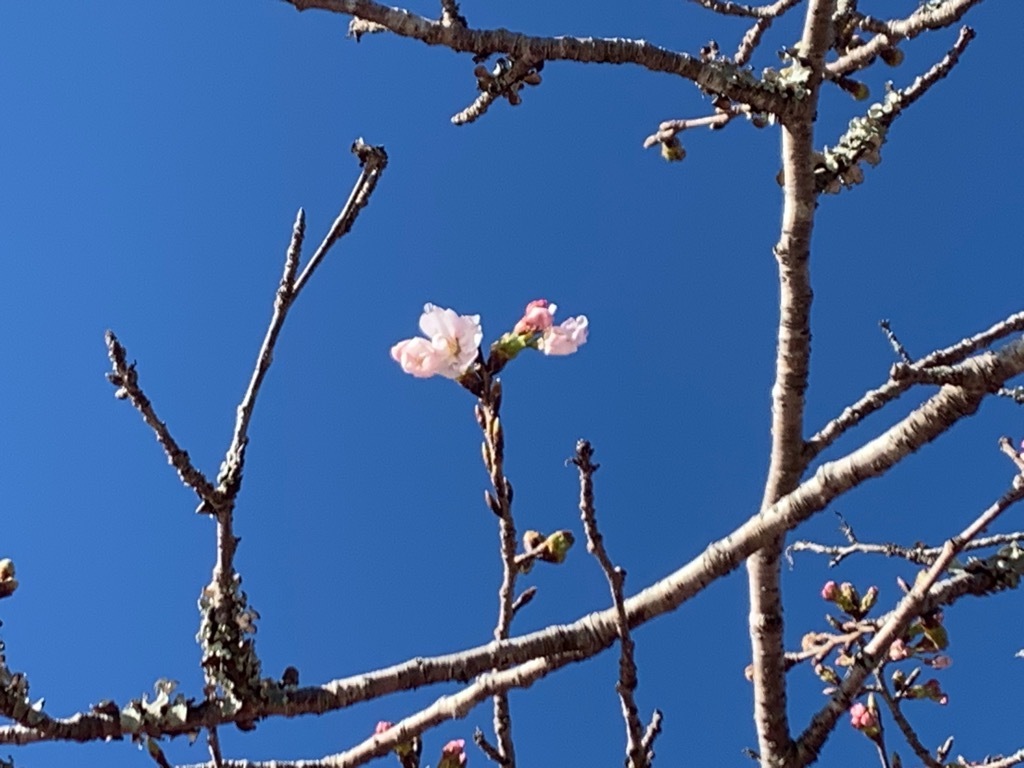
(453, 754)
(538, 317)
(862, 718)
(828, 592)
(898, 650)
(382, 726)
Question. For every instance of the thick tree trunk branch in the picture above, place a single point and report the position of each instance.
(791, 369)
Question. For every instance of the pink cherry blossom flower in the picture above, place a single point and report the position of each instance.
(538, 317)
(450, 347)
(566, 338)
(828, 592)
(419, 357)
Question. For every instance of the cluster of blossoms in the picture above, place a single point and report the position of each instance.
(922, 641)
(450, 344)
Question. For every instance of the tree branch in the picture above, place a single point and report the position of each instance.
(792, 363)
(910, 607)
(597, 631)
(876, 399)
(717, 77)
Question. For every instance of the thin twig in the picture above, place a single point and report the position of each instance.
(918, 554)
(636, 757)
(752, 37)
(373, 160)
(157, 753)
(889, 33)
(1006, 446)
(669, 129)
(506, 80)
(486, 747)
(652, 733)
(876, 399)
(126, 379)
(488, 416)
(213, 742)
(477, 109)
(450, 14)
(905, 727)
(728, 8)
(524, 599)
(1004, 762)
(894, 342)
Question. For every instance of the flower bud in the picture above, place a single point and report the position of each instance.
(453, 754)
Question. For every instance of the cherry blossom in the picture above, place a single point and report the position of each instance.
(566, 338)
(449, 349)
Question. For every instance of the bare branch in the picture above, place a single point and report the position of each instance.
(839, 167)
(373, 161)
(906, 728)
(636, 755)
(157, 753)
(752, 37)
(718, 77)
(894, 342)
(672, 128)
(213, 742)
(475, 110)
(652, 732)
(453, 707)
(876, 399)
(888, 33)
(488, 417)
(1005, 762)
(584, 638)
(126, 379)
(486, 747)
(450, 14)
(595, 632)
(920, 555)
(728, 8)
(506, 80)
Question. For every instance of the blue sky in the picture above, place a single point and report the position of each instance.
(152, 158)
